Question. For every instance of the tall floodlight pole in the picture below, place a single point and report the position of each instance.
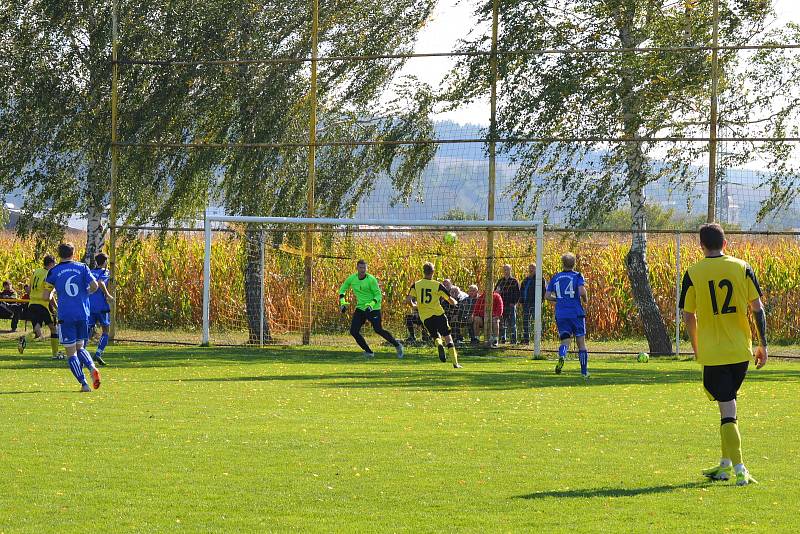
(312, 154)
(488, 283)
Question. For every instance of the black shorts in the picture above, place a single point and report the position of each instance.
(38, 314)
(722, 382)
(437, 324)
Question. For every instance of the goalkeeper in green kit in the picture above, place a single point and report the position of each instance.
(368, 308)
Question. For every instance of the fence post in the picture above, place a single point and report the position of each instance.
(112, 244)
(677, 293)
(712, 145)
(312, 154)
(206, 279)
(488, 319)
(537, 313)
(261, 298)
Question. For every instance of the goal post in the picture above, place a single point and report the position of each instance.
(412, 230)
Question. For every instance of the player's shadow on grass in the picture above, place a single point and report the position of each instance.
(612, 492)
(445, 378)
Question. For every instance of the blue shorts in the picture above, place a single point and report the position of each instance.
(70, 332)
(101, 318)
(571, 327)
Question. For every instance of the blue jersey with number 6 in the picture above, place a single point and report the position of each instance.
(71, 280)
(565, 286)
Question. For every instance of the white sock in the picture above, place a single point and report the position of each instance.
(725, 462)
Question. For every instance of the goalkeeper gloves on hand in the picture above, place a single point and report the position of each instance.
(368, 308)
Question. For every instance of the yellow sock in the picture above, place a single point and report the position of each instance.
(54, 345)
(732, 442)
(455, 355)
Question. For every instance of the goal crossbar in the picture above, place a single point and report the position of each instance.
(392, 223)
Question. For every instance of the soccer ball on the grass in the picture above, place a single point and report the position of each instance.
(450, 238)
(643, 357)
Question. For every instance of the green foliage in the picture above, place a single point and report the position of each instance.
(658, 218)
(55, 92)
(630, 95)
(458, 214)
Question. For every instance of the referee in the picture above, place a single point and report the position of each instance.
(715, 295)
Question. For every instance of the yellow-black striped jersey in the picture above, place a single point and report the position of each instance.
(719, 290)
(427, 292)
(38, 287)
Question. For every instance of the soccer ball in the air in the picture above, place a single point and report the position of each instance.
(450, 238)
(642, 357)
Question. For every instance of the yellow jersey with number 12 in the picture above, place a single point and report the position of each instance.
(719, 290)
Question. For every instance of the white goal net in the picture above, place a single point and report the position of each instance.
(273, 280)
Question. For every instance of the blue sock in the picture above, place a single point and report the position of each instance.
(562, 351)
(77, 371)
(86, 358)
(583, 356)
(101, 345)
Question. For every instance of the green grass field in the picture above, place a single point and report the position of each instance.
(238, 440)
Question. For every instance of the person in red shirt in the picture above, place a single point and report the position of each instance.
(497, 312)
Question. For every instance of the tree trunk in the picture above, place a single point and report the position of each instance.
(254, 286)
(658, 339)
(655, 330)
(95, 233)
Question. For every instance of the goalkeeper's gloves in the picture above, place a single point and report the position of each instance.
(342, 305)
(368, 308)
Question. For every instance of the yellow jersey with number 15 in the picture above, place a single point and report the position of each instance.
(719, 290)
(427, 292)
(39, 286)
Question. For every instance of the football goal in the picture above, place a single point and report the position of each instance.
(276, 280)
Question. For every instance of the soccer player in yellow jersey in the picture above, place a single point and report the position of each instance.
(715, 295)
(39, 309)
(427, 293)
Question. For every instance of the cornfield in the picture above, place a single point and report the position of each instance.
(160, 283)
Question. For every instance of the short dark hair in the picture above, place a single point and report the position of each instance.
(361, 262)
(49, 260)
(712, 236)
(66, 250)
(427, 268)
(568, 260)
(100, 259)
(6, 282)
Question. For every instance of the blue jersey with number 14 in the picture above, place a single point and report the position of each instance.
(565, 286)
(71, 280)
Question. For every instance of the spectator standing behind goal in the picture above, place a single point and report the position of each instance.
(368, 308)
(508, 287)
(466, 309)
(527, 298)
(568, 290)
(715, 295)
(455, 312)
(479, 312)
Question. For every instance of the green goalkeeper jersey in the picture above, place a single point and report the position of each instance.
(366, 290)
